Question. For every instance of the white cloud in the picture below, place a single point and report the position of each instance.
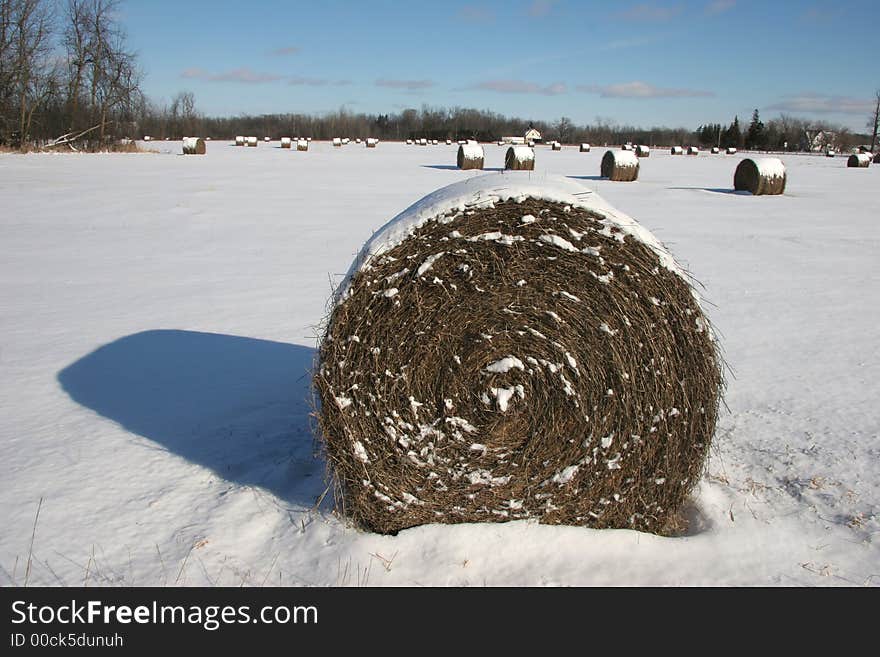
(823, 104)
(638, 89)
(242, 75)
(521, 87)
(409, 85)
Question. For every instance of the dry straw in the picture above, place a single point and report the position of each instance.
(470, 156)
(519, 158)
(524, 358)
(761, 177)
(859, 160)
(194, 146)
(620, 166)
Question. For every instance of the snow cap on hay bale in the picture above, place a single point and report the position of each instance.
(860, 160)
(830, 152)
(620, 166)
(240, 140)
(449, 142)
(643, 151)
(337, 142)
(556, 146)
(731, 150)
(193, 146)
(676, 150)
(302, 145)
(500, 142)
(371, 143)
(715, 150)
(423, 142)
(409, 142)
(626, 147)
(693, 150)
(519, 158)
(252, 142)
(345, 141)
(585, 148)
(285, 142)
(470, 156)
(507, 349)
(267, 139)
(358, 140)
(764, 176)
(147, 138)
(434, 142)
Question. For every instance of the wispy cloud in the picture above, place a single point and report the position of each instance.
(720, 6)
(409, 85)
(300, 80)
(540, 8)
(638, 89)
(635, 42)
(519, 87)
(814, 103)
(476, 14)
(651, 12)
(284, 52)
(242, 75)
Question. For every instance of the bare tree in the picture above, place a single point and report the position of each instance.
(874, 122)
(30, 23)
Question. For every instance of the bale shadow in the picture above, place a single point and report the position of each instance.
(239, 406)
(452, 167)
(587, 177)
(716, 190)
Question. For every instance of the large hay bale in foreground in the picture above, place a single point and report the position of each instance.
(507, 349)
(643, 151)
(519, 158)
(194, 146)
(620, 166)
(859, 160)
(470, 156)
(764, 176)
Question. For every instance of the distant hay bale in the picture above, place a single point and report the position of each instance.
(147, 138)
(585, 148)
(302, 145)
(423, 142)
(693, 150)
(470, 156)
(462, 141)
(252, 142)
(434, 142)
(285, 142)
(207, 139)
(676, 150)
(337, 142)
(500, 142)
(830, 152)
(240, 140)
(530, 144)
(643, 151)
(620, 166)
(731, 150)
(519, 158)
(372, 143)
(193, 146)
(715, 150)
(358, 140)
(593, 404)
(556, 146)
(449, 142)
(859, 160)
(409, 142)
(267, 139)
(762, 177)
(345, 141)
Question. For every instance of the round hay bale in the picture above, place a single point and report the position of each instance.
(449, 142)
(147, 138)
(620, 166)
(556, 146)
(372, 143)
(357, 141)
(286, 142)
(859, 160)
(530, 143)
(519, 158)
(240, 140)
(693, 150)
(267, 139)
(434, 142)
(731, 150)
(715, 150)
(337, 142)
(345, 141)
(643, 151)
(470, 156)
(194, 146)
(764, 176)
(585, 148)
(490, 365)
(462, 141)
(676, 150)
(302, 145)
(500, 142)
(830, 152)
(626, 147)
(409, 142)
(252, 142)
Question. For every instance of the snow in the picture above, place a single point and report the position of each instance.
(505, 365)
(158, 316)
(771, 167)
(625, 158)
(559, 242)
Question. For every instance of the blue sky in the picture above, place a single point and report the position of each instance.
(675, 63)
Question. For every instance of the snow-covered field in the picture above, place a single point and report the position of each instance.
(158, 317)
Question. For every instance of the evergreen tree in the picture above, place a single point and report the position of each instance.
(756, 137)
